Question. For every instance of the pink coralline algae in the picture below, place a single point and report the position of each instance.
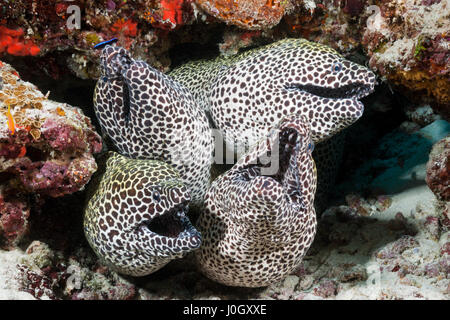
(49, 152)
(398, 247)
(432, 226)
(327, 288)
(13, 221)
(445, 216)
(47, 273)
(438, 169)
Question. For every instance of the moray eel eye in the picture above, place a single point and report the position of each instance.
(156, 195)
(337, 66)
(311, 147)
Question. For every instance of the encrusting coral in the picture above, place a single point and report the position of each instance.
(251, 14)
(438, 169)
(409, 45)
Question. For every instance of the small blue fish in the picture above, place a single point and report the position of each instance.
(104, 43)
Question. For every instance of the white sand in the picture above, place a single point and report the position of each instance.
(9, 287)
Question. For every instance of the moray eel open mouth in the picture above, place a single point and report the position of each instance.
(355, 90)
(289, 139)
(283, 150)
(173, 229)
(172, 223)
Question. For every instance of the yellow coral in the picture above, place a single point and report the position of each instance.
(19, 97)
(92, 38)
(437, 87)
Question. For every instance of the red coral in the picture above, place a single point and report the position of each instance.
(11, 151)
(13, 42)
(126, 27)
(173, 11)
(171, 14)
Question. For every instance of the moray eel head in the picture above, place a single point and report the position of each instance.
(113, 62)
(319, 77)
(276, 182)
(293, 76)
(135, 219)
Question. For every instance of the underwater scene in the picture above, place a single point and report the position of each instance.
(225, 150)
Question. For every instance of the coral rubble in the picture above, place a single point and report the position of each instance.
(49, 274)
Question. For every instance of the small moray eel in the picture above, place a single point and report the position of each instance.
(147, 115)
(260, 221)
(135, 217)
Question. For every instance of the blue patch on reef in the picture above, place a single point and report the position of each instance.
(398, 162)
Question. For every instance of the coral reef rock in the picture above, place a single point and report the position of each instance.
(69, 30)
(438, 169)
(46, 273)
(46, 149)
(250, 14)
(408, 43)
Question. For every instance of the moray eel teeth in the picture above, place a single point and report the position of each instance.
(173, 224)
(284, 145)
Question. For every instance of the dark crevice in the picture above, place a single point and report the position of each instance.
(167, 224)
(35, 154)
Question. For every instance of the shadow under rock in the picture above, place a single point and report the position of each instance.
(181, 279)
(59, 223)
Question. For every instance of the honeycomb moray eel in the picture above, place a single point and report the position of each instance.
(249, 93)
(252, 91)
(259, 221)
(135, 217)
(147, 115)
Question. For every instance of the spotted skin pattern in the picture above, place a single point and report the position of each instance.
(294, 77)
(247, 94)
(256, 228)
(135, 218)
(147, 115)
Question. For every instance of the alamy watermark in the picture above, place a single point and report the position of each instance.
(264, 150)
(74, 18)
(375, 19)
